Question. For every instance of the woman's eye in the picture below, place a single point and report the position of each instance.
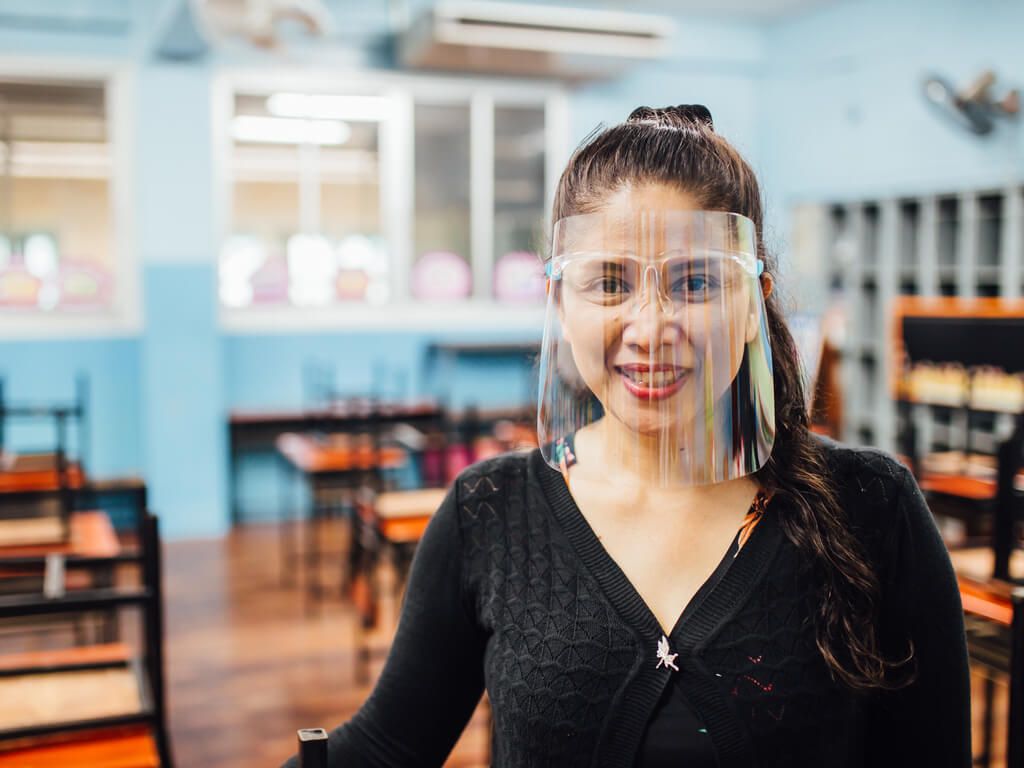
(611, 285)
(693, 284)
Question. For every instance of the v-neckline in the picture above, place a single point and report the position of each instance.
(715, 599)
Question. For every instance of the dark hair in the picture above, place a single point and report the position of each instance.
(678, 146)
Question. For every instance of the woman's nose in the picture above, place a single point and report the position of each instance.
(648, 326)
(651, 290)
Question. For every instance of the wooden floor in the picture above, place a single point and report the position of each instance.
(247, 667)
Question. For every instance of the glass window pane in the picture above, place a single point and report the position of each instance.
(306, 225)
(519, 154)
(350, 216)
(441, 261)
(56, 226)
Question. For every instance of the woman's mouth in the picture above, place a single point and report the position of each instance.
(652, 382)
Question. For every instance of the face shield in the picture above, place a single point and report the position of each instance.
(655, 355)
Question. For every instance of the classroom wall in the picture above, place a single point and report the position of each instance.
(823, 105)
(841, 111)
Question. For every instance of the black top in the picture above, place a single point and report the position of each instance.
(511, 590)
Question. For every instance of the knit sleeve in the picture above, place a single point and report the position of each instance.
(928, 721)
(433, 676)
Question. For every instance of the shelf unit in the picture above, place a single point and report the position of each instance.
(968, 243)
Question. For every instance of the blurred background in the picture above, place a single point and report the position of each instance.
(270, 277)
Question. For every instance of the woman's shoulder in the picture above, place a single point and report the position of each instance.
(493, 481)
(873, 487)
(511, 464)
(870, 472)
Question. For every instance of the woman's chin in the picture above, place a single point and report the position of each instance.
(652, 419)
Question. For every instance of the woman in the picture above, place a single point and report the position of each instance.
(683, 575)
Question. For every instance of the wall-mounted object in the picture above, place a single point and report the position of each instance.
(192, 27)
(532, 40)
(974, 108)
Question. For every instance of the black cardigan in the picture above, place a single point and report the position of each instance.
(511, 590)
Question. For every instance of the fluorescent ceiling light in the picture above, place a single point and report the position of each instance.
(280, 130)
(328, 106)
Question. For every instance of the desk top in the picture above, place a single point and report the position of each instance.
(313, 455)
(485, 349)
(990, 599)
(121, 748)
(341, 411)
(39, 480)
(964, 486)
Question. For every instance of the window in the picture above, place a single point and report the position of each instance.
(442, 255)
(407, 199)
(520, 151)
(57, 242)
(306, 228)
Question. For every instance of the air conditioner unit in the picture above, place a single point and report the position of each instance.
(573, 44)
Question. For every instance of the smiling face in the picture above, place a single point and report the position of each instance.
(657, 319)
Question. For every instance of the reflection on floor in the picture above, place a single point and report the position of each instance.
(247, 667)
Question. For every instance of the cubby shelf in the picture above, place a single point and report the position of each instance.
(968, 243)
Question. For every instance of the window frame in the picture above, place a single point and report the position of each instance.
(123, 317)
(397, 203)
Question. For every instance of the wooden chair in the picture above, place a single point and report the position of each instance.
(390, 523)
(329, 464)
(312, 748)
(994, 613)
(108, 702)
(32, 547)
(54, 470)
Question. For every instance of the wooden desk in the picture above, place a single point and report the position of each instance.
(250, 431)
(992, 600)
(315, 456)
(1000, 604)
(47, 697)
(121, 748)
(328, 463)
(40, 480)
(970, 487)
(960, 486)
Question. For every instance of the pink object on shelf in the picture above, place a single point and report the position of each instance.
(18, 287)
(519, 277)
(83, 284)
(441, 276)
(351, 284)
(270, 281)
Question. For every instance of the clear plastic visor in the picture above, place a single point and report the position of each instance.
(656, 361)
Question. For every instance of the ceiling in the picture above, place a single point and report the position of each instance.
(113, 17)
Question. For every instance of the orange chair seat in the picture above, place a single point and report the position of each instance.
(404, 530)
(39, 480)
(123, 748)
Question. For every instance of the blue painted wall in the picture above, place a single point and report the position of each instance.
(268, 371)
(841, 109)
(43, 372)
